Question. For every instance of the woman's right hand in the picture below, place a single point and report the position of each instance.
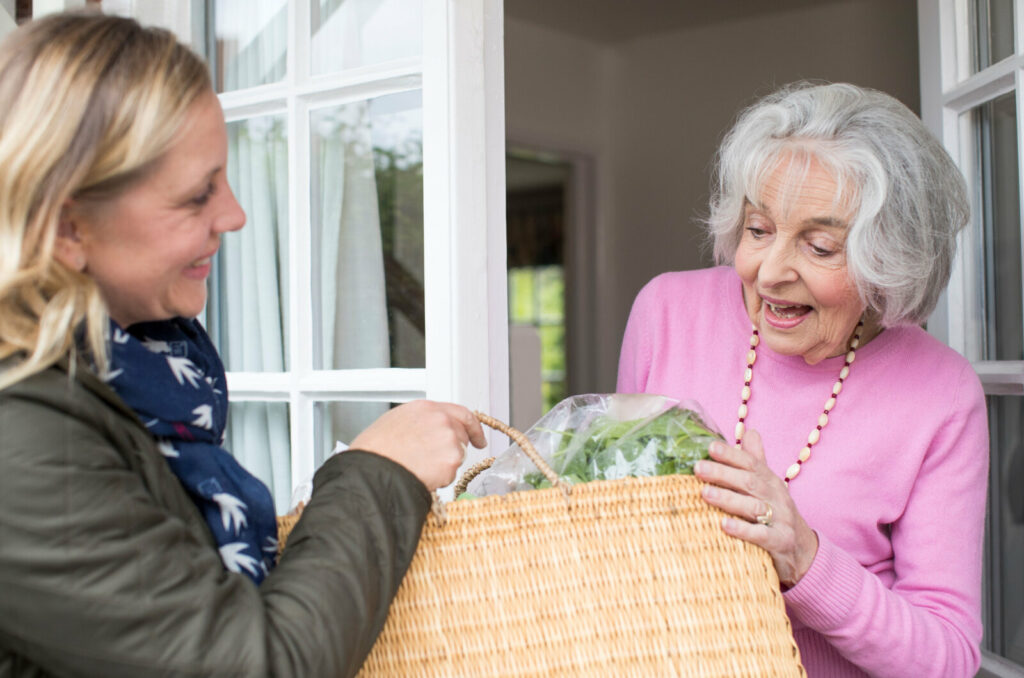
(428, 438)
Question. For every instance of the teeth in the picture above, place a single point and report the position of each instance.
(785, 311)
(200, 262)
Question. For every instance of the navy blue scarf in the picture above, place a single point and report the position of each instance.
(170, 374)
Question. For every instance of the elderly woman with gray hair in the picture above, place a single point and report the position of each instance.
(861, 445)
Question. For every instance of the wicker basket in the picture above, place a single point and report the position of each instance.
(630, 577)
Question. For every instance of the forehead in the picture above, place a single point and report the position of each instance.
(201, 143)
(799, 185)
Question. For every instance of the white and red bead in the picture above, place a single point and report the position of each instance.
(815, 435)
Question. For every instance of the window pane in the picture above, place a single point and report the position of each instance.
(997, 203)
(247, 312)
(992, 32)
(258, 435)
(352, 33)
(244, 41)
(342, 421)
(521, 296)
(552, 294)
(1006, 528)
(367, 239)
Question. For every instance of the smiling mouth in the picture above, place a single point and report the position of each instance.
(788, 312)
(200, 262)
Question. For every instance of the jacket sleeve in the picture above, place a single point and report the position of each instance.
(928, 623)
(99, 577)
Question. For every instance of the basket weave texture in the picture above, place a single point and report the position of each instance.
(619, 578)
(630, 577)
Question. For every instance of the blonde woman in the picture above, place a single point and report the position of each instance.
(131, 549)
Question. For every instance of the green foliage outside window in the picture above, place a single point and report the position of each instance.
(536, 296)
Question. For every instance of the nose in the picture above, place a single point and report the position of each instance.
(232, 216)
(777, 265)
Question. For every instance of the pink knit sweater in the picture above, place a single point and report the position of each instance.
(895, 489)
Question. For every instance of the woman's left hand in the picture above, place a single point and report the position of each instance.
(741, 484)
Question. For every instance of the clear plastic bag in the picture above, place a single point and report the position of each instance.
(604, 437)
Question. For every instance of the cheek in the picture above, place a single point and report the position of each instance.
(745, 265)
(836, 292)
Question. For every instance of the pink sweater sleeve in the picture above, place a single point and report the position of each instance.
(927, 623)
(635, 354)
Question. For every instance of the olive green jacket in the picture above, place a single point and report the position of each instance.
(108, 569)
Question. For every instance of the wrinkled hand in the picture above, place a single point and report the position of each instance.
(741, 484)
(429, 438)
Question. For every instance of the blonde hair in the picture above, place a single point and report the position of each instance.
(89, 103)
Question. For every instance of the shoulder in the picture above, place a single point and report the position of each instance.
(699, 280)
(921, 353)
(54, 408)
(942, 382)
(675, 288)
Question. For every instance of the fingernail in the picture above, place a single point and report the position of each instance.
(698, 468)
(728, 523)
(709, 492)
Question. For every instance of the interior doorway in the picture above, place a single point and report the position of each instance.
(538, 212)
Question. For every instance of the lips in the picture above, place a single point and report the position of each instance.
(788, 311)
(784, 315)
(200, 268)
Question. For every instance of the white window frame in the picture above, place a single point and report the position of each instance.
(461, 73)
(945, 97)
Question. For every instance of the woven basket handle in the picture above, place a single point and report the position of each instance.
(525, 445)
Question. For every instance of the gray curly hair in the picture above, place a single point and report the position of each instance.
(909, 200)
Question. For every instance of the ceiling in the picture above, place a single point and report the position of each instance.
(611, 21)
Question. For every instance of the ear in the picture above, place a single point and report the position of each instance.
(68, 248)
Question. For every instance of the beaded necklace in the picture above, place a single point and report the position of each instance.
(815, 434)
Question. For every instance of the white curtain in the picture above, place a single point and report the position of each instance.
(249, 308)
(253, 291)
(353, 306)
(251, 288)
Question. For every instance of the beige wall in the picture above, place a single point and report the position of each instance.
(651, 113)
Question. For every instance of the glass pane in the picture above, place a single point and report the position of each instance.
(259, 436)
(998, 206)
(247, 313)
(352, 33)
(991, 32)
(1006, 528)
(342, 421)
(244, 41)
(521, 301)
(552, 294)
(367, 237)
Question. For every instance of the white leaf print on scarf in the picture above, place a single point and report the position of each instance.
(157, 346)
(183, 369)
(167, 449)
(232, 510)
(235, 560)
(204, 417)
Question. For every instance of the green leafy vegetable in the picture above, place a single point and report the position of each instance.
(608, 449)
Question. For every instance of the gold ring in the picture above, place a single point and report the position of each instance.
(766, 517)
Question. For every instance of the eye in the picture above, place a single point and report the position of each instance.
(204, 197)
(822, 250)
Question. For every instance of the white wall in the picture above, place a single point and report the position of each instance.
(7, 17)
(559, 97)
(653, 110)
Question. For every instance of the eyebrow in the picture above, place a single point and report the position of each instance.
(201, 185)
(827, 221)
